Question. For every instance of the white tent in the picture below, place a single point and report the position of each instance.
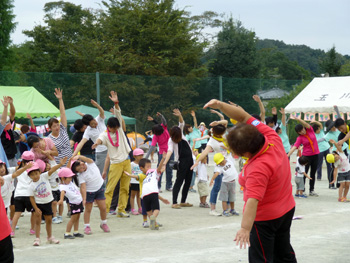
(321, 95)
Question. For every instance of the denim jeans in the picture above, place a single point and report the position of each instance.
(168, 171)
(216, 189)
(193, 179)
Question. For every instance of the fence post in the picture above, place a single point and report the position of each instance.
(220, 88)
(98, 87)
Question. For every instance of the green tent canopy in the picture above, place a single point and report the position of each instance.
(72, 115)
(29, 100)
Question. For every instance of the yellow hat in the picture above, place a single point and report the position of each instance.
(233, 121)
(330, 158)
(197, 157)
(218, 158)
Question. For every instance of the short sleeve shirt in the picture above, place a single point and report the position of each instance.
(62, 144)
(299, 169)
(195, 134)
(228, 170)
(91, 177)
(41, 190)
(308, 149)
(72, 193)
(342, 164)
(48, 146)
(217, 146)
(150, 183)
(93, 133)
(135, 170)
(323, 145)
(284, 138)
(7, 189)
(202, 172)
(162, 140)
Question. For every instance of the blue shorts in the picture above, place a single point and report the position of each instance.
(98, 195)
(144, 212)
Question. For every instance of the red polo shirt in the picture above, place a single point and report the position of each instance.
(5, 228)
(267, 177)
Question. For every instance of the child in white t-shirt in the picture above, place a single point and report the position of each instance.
(149, 189)
(299, 176)
(71, 191)
(342, 167)
(202, 185)
(226, 166)
(91, 188)
(134, 184)
(40, 195)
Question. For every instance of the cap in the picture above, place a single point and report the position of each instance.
(138, 152)
(65, 172)
(41, 164)
(72, 162)
(33, 168)
(329, 125)
(202, 123)
(330, 158)
(1, 162)
(197, 157)
(28, 156)
(233, 121)
(218, 158)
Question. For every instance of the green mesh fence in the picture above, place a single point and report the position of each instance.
(141, 96)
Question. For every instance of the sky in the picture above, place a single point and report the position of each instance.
(319, 24)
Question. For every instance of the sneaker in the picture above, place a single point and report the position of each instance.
(296, 195)
(214, 213)
(42, 221)
(112, 212)
(55, 220)
(134, 212)
(342, 199)
(12, 234)
(31, 232)
(36, 242)
(52, 240)
(312, 193)
(176, 206)
(68, 236)
(60, 219)
(206, 205)
(201, 205)
(87, 230)
(186, 205)
(105, 228)
(192, 190)
(17, 227)
(78, 235)
(145, 224)
(140, 211)
(234, 212)
(123, 214)
(302, 196)
(152, 222)
(226, 213)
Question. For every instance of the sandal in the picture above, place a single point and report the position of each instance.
(176, 206)
(36, 242)
(186, 205)
(52, 240)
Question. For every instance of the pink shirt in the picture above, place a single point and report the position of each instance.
(5, 228)
(162, 140)
(307, 149)
(48, 146)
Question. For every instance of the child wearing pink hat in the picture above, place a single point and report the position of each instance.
(71, 191)
(134, 184)
(41, 198)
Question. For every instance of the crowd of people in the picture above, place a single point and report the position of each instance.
(97, 166)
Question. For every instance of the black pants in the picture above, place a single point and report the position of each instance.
(183, 174)
(322, 155)
(270, 240)
(6, 250)
(313, 162)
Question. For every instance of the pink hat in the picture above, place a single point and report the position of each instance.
(72, 162)
(65, 172)
(41, 164)
(1, 162)
(28, 156)
(34, 167)
(138, 152)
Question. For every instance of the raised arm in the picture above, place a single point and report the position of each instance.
(274, 115)
(339, 147)
(218, 113)
(216, 123)
(22, 170)
(283, 120)
(115, 99)
(5, 102)
(304, 123)
(177, 113)
(57, 166)
(195, 124)
(58, 94)
(149, 118)
(79, 113)
(12, 109)
(32, 125)
(261, 106)
(204, 154)
(319, 124)
(337, 110)
(79, 146)
(84, 159)
(106, 166)
(100, 109)
(162, 118)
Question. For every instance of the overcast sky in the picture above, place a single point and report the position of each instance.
(319, 24)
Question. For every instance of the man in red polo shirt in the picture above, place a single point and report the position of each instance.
(266, 178)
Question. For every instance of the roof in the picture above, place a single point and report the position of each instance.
(274, 93)
(321, 95)
(29, 100)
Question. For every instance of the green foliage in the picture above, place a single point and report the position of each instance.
(345, 69)
(7, 26)
(331, 64)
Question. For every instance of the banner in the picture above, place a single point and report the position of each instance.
(295, 115)
(309, 116)
(335, 116)
(324, 116)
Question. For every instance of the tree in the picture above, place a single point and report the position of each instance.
(7, 26)
(331, 63)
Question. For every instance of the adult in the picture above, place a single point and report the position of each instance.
(59, 134)
(7, 136)
(308, 139)
(344, 135)
(266, 178)
(183, 154)
(161, 137)
(95, 126)
(86, 150)
(43, 148)
(282, 132)
(3, 120)
(216, 144)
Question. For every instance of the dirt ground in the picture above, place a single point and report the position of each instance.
(192, 235)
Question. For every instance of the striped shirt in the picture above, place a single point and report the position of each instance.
(62, 144)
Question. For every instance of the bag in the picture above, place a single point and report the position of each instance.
(174, 165)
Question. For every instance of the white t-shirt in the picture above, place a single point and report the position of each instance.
(23, 182)
(299, 169)
(201, 170)
(229, 170)
(54, 179)
(93, 133)
(150, 184)
(135, 170)
(41, 190)
(7, 189)
(91, 177)
(342, 164)
(72, 193)
(218, 147)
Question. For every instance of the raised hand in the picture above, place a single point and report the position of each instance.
(274, 111)
(193, 114)
(10, 99)
(256, 98)
(149, 118)
(29, 116)
(94, 103)
(114, 97)
(58, 93)
(214, 104)
(177, 112)
(282, 111)
(159, 114)
(63, 161)
(5, 101)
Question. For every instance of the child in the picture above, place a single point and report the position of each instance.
(228, 186)
(149, 189)
(41, 198)
(71, 191)
(341, 163)
(22, 201)
(299, 176)
(134, 184)
(202, 185)
(91, 188)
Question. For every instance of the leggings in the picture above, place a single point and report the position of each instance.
(322, 155)
(184, 174)
(313, 162)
